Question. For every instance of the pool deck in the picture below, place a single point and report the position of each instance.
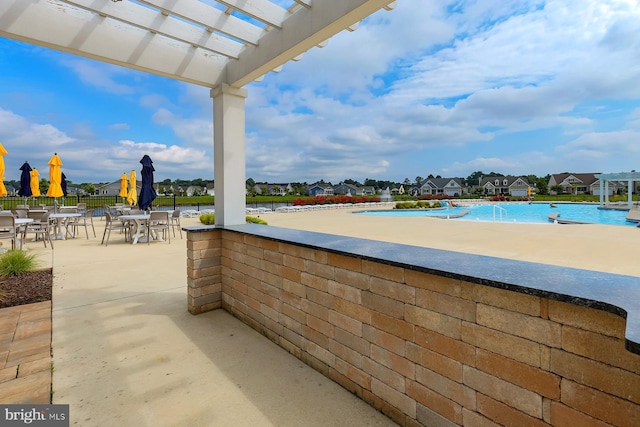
(598, 247)
(634, 215)
(126, 351)
(555, 218)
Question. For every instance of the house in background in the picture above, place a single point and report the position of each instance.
(516, 186)
(347, 189)
(273, 189)
(581, 183)
(194, 190)
(320, 189)
(172, 189)
(368, 190)
(113, 189)
(441, 187)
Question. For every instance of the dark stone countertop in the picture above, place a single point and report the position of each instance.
(614, 293)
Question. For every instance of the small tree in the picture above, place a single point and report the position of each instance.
(557, 188)
(44, 185)
(542, 186)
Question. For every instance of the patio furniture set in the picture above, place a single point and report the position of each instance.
(46, 223)
(140, 226)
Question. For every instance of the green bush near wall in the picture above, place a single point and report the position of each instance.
(210, 219)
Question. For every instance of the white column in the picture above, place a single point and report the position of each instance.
(229, 154)
(601, 191)
(630, 193)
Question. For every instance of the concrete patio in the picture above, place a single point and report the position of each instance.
(127, 352)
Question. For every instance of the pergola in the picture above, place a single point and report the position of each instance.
(629, 177)
(220, 44)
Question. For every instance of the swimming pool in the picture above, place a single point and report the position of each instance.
(537, 213)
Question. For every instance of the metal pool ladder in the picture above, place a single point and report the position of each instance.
(500, 211)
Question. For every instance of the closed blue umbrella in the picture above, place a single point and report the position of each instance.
(63, 185)
(147, 193)
(25, 180)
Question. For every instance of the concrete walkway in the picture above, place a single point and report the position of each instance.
(126, 351)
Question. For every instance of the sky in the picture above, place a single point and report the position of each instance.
(432, 87)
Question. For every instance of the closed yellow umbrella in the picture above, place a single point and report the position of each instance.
(132, 197)
(55, 177)
(3, 189)
(123, 185)
(35, 182)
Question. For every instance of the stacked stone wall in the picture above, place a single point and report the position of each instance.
(425, 349)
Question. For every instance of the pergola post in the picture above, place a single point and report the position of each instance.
(229, 154)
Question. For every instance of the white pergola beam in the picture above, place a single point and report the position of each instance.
(300, 32)
(304, 3)
(262, 10)
(209, 17)
(90, 35)
(184, 39)
(159, 23)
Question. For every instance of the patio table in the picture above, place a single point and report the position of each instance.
(62, 221)
(19, 223)
(140, 222)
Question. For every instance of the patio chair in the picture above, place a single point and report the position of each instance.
(110, 209)
(159, 221)
(41, 228)
(85, 221)
(8, 229)
(35, 215)
(113, 225)
(174, 220)
(20, 213)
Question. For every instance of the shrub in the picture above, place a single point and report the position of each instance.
(435, 197)
(15, 262)
(332, 200)
(210, 219)
(256, 220)
(418, 205)
(404, 205)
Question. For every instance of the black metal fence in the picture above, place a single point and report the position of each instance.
(97, 203)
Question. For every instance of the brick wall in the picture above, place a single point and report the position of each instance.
(424, 349)
(204, 288)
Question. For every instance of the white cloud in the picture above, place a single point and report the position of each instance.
(100, 75)
(524, 86)
(196, 131)
(510, 69)
(603, 145)
(119, 126)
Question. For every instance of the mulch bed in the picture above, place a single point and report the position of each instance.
(26, 288)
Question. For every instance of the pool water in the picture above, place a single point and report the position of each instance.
(537, 213)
